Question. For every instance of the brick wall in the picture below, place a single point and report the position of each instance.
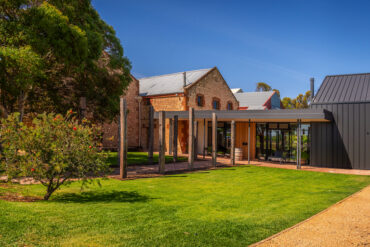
(110, 130)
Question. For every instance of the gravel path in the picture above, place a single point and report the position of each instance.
(346, 223)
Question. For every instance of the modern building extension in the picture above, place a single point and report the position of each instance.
(345, 141)
(334, 132)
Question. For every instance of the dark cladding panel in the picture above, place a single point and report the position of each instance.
(340, 150)
(362, 129)
(367, 145)
(343, 143)
(336, 154)
(356, 135)
(351, 123)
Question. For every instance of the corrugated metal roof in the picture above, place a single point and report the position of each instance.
(169, 83)
(253, 100)
(236, 90)
(344, 88)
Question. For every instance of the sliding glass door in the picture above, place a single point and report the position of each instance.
(278, 141)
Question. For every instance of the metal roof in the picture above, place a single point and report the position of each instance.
(281, 115)
(169, 83)
(236, 90)
(344, 89)
(253, 100)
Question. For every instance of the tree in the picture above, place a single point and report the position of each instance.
(300, 102)
(52, 150)
(277, 92)
(288, 103)
(19, 70)
(80, 56)
(263, 87)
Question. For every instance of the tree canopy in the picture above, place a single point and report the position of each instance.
(59, 51)
(263, 87)
(301, 101)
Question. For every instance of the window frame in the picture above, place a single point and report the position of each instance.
(202, 100)
(215, 99)
(231, 104)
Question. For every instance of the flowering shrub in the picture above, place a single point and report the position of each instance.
(52, 150)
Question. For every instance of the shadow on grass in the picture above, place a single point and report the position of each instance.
(93, 196)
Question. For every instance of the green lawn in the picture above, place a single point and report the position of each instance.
(139, 158)
(226, 207)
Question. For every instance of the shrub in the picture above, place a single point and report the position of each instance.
(53, 150)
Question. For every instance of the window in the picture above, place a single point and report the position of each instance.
(229, 106)
(200, 100)
(216, 103)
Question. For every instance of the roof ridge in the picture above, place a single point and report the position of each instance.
(256, 92)
(366, 73)
(174, 73)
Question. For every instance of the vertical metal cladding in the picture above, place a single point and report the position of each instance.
(345, 142)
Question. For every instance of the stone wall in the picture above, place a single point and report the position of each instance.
(212, 85)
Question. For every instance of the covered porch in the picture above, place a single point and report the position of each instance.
(273, 136)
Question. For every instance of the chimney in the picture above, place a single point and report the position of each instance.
(312, 82)
(184, 73)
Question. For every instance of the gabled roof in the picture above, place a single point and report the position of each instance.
(236, 90)
(254, 100)
(344, 88)
(170, 83)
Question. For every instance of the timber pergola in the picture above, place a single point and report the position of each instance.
(251, 116)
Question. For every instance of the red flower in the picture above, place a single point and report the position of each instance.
(55, 119)
(71, 111)
(32, 169)
(90, 147)
(74, 128)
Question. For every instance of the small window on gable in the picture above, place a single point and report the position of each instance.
(200, 100)
(229, 106)
(216, 104)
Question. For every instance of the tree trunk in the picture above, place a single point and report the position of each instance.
(21, 104)
(47, 196)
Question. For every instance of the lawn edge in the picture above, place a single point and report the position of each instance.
(300, 223)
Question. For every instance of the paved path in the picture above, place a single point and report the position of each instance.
(152, 170)
(346, 223)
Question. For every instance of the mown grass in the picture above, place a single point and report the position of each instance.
(139, 158)
(226, 207)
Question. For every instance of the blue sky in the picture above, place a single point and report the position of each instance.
(282, 43)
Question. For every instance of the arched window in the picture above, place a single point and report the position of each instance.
(200, 100)
(216, 103)
(229, 105)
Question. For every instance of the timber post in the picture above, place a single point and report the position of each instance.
(232, 151)
(214, 139)
(249, 141)
(170, 137)
(162, 141)
(191, 139)
(195, 140)
(175, 131)
(151, 135)
(123, 139)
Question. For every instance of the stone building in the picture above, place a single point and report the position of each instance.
(203, 89)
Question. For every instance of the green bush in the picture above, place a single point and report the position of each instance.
(53, 149)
